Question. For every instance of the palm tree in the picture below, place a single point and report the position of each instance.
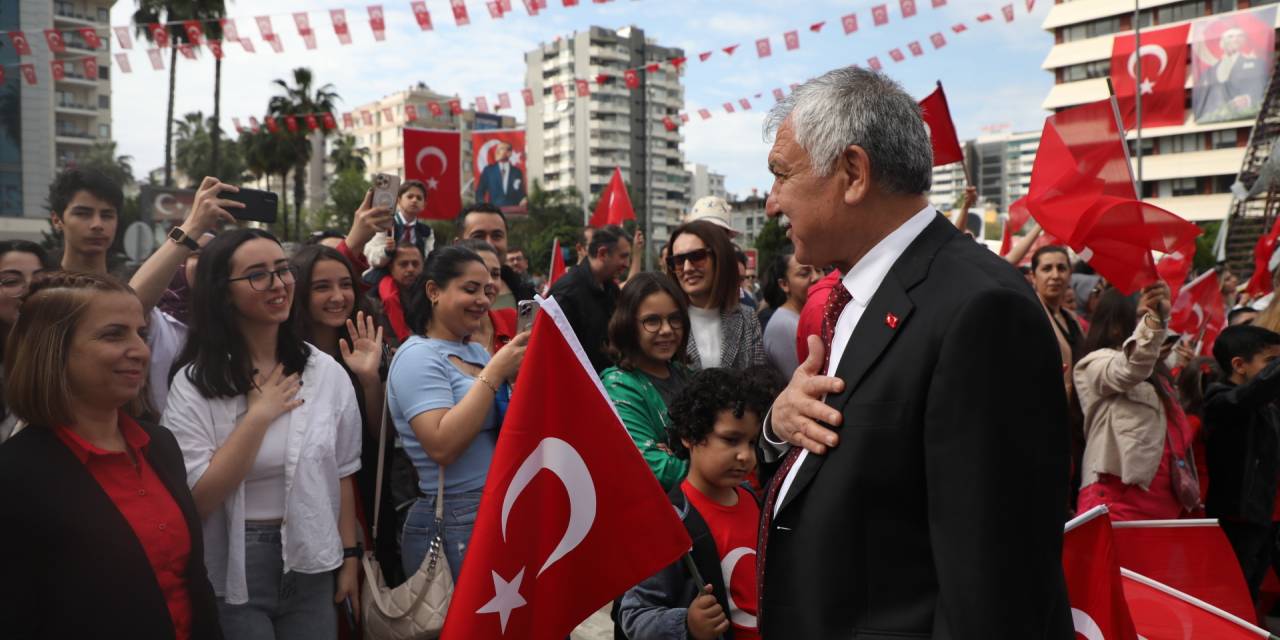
(194, 151)
(299, 99)
(346, 156)
(102, 157)
(266, 156)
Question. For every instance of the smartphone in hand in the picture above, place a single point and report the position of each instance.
(259, 206)
(526, 313)
(385, 188)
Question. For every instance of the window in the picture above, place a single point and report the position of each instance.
(104, 132)
(1223, 6)
(104, 15)
(1182, 144)
(1148, 147)
(1185, 187)
(104, 72)
(1225, 139)
(104, 102)
(1179, 12)
(1084, 71)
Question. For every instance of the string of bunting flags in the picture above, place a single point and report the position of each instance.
(582, 88)
(195, 33)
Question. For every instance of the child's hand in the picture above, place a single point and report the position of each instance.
(706, 619)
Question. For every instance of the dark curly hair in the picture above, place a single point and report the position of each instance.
(694, 411)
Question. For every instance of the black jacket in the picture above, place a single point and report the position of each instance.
(74, 567)
(939, 514)
(588, 307)
(520, 287)
(1242, 442)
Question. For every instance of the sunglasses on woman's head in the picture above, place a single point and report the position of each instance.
(697, 257)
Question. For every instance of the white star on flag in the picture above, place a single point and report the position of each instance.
(432, 183)
(515, 157)
(1147, 86)
(506, 598)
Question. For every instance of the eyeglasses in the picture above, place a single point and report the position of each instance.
(653, 324)
(697, 257)
(263, 280)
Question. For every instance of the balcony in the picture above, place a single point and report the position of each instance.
(70, 16)
(77, 78)
(78, 138)
(77, 109)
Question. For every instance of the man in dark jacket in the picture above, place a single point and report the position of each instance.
(588, 294)
(1242, 428)
(484, 221)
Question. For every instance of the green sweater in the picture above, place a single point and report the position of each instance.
(645, 416)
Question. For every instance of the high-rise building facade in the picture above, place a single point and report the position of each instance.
(47, 125)
(704, 182)
(1188, 168)
(578, 141)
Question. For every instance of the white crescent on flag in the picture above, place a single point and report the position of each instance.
(435, 152)
(560, 458)
(727, 565)
(1147, 50)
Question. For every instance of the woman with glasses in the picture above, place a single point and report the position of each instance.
(445, 395)
(725, 332)
(270, 430)
(647, 337)
(20, 261)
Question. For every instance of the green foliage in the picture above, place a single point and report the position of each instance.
(102, 157)
(552, 215)
(346, 156)
(296, 100)
(347, 193)
(193, 157)
(1205, 258)
(771, 241)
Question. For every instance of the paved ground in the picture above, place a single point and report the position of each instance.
(597, 627)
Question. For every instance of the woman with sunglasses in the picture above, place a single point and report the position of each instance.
(269, 428)
(647, 337)
(725, 332)
(20, 261)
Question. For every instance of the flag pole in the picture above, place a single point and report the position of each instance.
(1137, 93)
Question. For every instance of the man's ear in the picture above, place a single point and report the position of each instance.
(55, 219)
(854, 166)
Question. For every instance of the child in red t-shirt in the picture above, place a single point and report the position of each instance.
(715, 424)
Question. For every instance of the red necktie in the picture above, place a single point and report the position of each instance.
(836, 303)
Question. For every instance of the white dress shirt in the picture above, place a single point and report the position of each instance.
(862, 281)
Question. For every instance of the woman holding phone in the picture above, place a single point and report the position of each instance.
(270, 431)
(445, 394)
(499, 326)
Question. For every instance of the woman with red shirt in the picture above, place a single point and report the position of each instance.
(101, 531)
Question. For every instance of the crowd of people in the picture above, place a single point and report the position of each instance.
(192, 451)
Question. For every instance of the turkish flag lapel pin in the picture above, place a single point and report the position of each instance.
(891, 320)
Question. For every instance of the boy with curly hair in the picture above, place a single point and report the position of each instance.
(715, 424)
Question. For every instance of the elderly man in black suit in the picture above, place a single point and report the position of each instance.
(924, 465)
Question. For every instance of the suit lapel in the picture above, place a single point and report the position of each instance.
(876, 330)
(730, 337)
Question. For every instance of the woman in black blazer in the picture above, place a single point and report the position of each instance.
(99, 529)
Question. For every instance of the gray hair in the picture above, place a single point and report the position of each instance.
(854, 106)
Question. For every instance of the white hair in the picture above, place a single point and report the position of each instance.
(854, 106)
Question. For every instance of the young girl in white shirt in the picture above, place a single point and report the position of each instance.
(270, 432)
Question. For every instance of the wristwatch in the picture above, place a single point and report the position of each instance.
(353, 552)
(179, 236)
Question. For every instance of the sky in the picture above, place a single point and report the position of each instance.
(991, 72)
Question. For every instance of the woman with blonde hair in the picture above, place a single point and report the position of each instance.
(104, 536)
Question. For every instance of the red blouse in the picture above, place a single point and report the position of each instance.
(151, 511)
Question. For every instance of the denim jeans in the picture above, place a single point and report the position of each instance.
(420, 528)
(282, 606)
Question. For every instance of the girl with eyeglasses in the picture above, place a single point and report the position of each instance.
(725, 332)
(648, 334)
(269, 428)
(20, 261)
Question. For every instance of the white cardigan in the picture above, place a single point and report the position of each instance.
(323, 447)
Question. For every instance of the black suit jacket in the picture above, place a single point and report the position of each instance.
(74, 568)
(939, 514)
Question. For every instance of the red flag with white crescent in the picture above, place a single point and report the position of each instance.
(53, 38)
(1089, 563)
(58, 69)
(1175, 267)
(377, 22)
(90, 64)
(567, 491)
(91, 39)
(194, 30)
(1160, 611)
(1198, 311)
(340, 27)
(435, 158)
(1158, 71)
(1190, 555)
(422, 15)
(460, 12)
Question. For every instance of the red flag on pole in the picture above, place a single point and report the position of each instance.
(1192, 556)
(1090, 565)
(435, 158)
(557, 266)
(669, 123)
(90, 37)
(1198, 311)
(187, 51)
(122, 61)
(272, 126)
(1159, 72)
(291, 123)
(539, 537)
(377, 22)
(942, 130)
(340, 27)
(1082, 192)
(1160, 611)
(614, 206)
(880, 15)
(53, 38)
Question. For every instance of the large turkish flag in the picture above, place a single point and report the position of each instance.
(434, 156)
(942, 129)
(571, 515)
(1098, 609)
(1192, 556)
(1161, 612)
(1159, 71)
